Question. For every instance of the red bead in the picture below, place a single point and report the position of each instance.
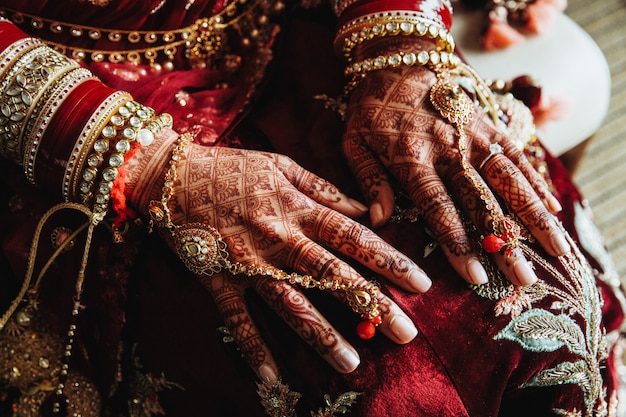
(493, 243)
(366, 330)
(376, 320)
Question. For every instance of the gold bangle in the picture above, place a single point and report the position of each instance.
(123, 126)
(358, 70)
(21, 89)
(10, 55)
(46, 107)
(339, 6)
(88, 163)
(203, 251)
(357, 34)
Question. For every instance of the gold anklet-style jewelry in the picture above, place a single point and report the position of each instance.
(203, 251)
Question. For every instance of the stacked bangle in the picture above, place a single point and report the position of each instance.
(30, 78)
(358, 70)
(435, 10)
(99, 143)
(390, 24)
(47, 107)
(361, 22)
(340, 6)
(125, 126)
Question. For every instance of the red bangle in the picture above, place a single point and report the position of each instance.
(60, 137)
(432, 9)
(9, 34)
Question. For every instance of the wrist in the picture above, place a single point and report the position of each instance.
(145, 171)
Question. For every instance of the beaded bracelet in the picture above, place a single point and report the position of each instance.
(358, 70)
(357, 34)
(203, 251)
(124, 126)
(100, 146)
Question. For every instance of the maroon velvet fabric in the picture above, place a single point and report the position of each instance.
(454, 367)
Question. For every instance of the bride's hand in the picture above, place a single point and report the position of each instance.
(271, 212)
(393, 130)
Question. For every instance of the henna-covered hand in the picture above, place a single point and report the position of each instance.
(393, 129)
(270, 211)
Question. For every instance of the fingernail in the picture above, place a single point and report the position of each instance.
(553, 204)
(559, 243)
(402, 328)
(524, 273)
(419, 281)
(357, 205)
(267, 374)
(476, 272)
(347, 359)
(376, 214)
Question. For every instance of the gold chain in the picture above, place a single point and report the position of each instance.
(204, 252)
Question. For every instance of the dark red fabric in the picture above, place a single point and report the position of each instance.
(453, 368)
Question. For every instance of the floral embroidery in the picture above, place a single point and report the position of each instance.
(279, 400)
(339, 406)
(571, 322)
(541, 331)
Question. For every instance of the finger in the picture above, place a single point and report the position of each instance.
(533, 176)
(511, 184)
(434, 202)
(318, 262)
(318, 188)
(232, 307)
(484, 212)
(361, 244)
(372, 177)
(298, 312)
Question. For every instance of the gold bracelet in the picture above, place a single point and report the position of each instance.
(346, 40)
(99, 145)
(46, 107)
(358, 70)
(203, 251)
(339, 6)
(124, 126)
(10, 55)
(21, 89)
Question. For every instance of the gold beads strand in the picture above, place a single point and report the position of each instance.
(56, 403)
(199, 42)
(203, 251)
(358, 70)
(388, 24)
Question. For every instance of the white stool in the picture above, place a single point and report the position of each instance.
(566, 62)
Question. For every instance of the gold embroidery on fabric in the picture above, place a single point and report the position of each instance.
(279, 400)
(576, 301)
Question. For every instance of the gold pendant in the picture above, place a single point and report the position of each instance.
(451, 101)
(201, 248)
